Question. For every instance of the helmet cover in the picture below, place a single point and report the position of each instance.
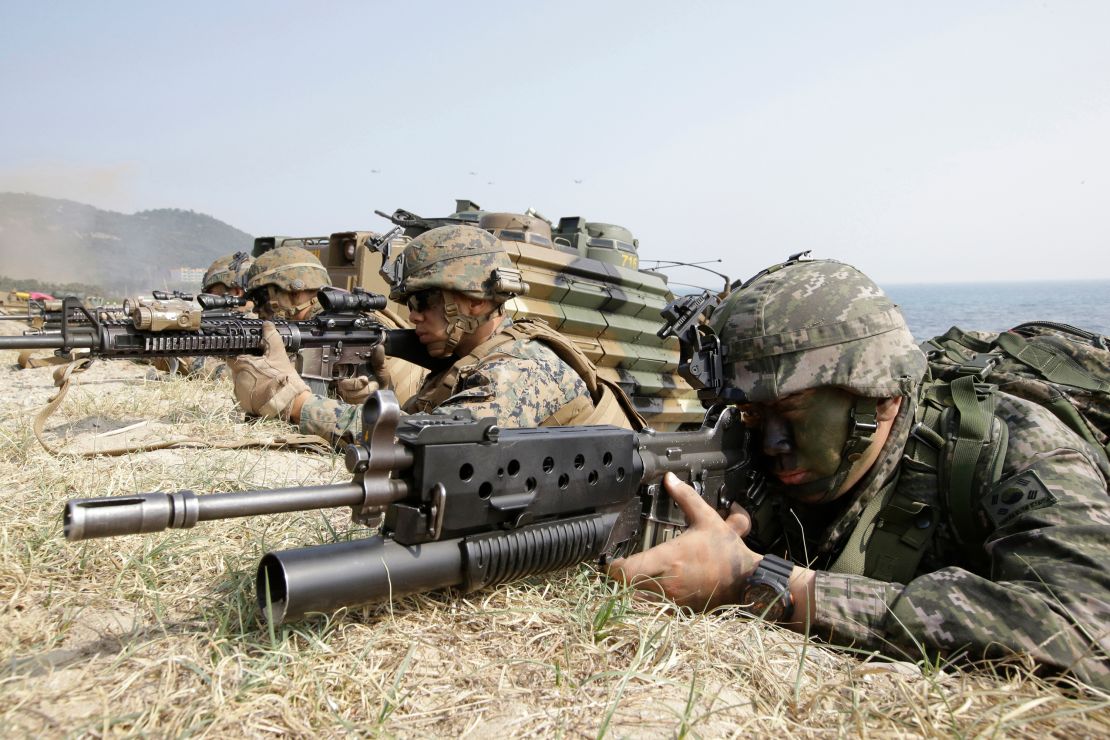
(813, 323)
(461, 258)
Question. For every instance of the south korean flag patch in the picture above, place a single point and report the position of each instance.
(1014, 496)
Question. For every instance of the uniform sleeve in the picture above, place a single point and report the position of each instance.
(1047, 593)
(335, 421)
(519, 391)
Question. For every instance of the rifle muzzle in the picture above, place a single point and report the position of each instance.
(88, 518)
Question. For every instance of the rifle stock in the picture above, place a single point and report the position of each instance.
(466, 504)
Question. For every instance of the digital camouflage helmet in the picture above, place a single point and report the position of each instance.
(278, 273)
(809, 324)
(462, 259)
(230, 270)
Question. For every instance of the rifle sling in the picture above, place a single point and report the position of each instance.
(64, 377)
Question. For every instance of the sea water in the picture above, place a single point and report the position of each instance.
(931, 309)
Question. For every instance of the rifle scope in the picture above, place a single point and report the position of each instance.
(339, 301)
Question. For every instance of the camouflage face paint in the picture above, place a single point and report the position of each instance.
(803, 439)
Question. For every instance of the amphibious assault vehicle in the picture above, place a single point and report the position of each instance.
(584, 280)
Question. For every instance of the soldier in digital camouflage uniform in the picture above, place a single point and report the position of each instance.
(455, 280)
(879, 556)
(283, 284)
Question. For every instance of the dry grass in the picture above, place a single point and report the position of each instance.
(157, 635)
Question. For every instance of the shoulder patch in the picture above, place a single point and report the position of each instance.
(1014, 496)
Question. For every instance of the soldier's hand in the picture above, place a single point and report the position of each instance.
(267, 385)
(380, 367)
(355, 390)
(705, 566)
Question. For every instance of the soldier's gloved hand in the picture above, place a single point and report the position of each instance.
(380, 367)
(355, 390)
(267, 385)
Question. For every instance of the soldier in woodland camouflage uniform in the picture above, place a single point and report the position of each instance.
(283, 283)
(852, 434)
(225, 276)
(455, 280)
(228, 275)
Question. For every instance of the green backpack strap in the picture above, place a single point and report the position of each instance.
(967, 354)
(977, 453)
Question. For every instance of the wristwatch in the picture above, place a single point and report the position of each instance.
(767, 592)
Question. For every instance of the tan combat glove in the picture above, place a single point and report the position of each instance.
(267, 385)
(356, 390)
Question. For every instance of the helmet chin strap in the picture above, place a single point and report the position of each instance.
(459, 323)
(864, 424)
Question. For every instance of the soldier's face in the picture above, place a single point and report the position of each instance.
(429, 321)
(224, 289)
(803, 437)
(287, 305)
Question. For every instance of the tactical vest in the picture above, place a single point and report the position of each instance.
(607, 403)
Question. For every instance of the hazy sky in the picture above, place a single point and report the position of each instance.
(920, 141)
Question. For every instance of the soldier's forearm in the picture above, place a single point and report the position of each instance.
(298, 404)
(803, 584)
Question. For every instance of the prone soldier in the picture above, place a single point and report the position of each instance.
(283, 283)
(454, 280)
(887, 525)
(228, 276)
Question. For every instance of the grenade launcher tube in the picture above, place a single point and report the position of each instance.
(323, 578)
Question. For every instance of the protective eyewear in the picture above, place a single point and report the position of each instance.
(422, 300)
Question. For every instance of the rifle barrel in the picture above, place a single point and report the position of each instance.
(110, 516)
(79, 340)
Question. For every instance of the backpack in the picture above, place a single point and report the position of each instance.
(957, 446)
(1060, 367)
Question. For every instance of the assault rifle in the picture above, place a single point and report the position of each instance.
(466, 504)
(343, 336)
(49, 315)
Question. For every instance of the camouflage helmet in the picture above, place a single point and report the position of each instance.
(231, 270)
(462, 258)
(289, 269)
(807, 324)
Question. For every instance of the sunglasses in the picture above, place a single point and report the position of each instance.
(422, 300)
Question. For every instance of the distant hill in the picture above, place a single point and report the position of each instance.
(63, 241)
